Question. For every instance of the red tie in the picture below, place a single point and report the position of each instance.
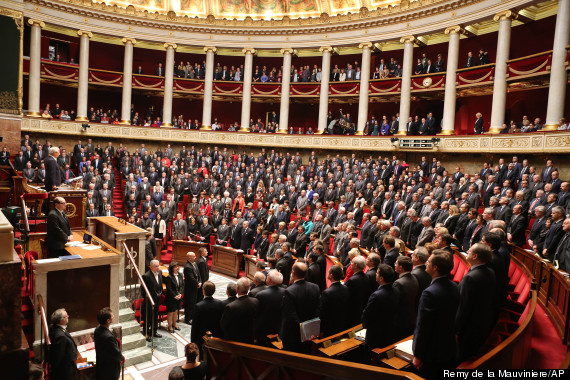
(66, 175)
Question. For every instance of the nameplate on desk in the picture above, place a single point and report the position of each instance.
(70, 257)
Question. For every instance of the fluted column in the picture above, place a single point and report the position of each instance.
(558, 80)
(208, 87)
(505, 19)
(324, 94)
(127, 80)
(285, 88)
(168, 84)
(83, 84)
(405, 92)
(448, 124)
(35, 67)
(364, 93)
(246, 99)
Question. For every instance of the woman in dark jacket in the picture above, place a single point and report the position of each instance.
(174, 288)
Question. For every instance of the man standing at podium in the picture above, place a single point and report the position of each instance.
(53, 172)
(58, 230)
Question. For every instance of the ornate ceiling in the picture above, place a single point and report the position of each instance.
(256, 9)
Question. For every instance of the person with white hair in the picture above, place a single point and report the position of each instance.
(270, 302)
(53, 171)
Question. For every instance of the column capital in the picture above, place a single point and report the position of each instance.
(322, 49)
(170, 45)
(86, 33)
(407, 39)
(33, 21)
(364, 45)
(213, 49)
(129, 40)
(506, 15)
(454, 29)
(287, 51)
(249, 50)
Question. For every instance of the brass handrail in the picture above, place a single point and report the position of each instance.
(138, 274)
(42, 313)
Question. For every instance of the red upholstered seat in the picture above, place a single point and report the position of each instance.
(455, 265)
(34, 196)
(136, 306)
(461, 270)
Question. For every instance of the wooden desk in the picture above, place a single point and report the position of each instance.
(340, 348)
(181, 247)
(250, 266)
(82, 286)
(227, 260)
(386, 357)
(114, 233)
(338, 345)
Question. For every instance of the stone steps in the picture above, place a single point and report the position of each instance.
(131, 327)
(133, 341)
(137, 356)
(126, 315)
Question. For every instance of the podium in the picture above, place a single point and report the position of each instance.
(181, 247)
(227, 260)
(250, 266)
(75, 209)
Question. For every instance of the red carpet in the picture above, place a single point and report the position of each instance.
(547, 349)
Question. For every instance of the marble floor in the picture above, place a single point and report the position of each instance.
(169, 350)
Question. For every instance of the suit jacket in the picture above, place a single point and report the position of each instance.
(154, 288)
(180, 230)
(434, 335)
(426, 236)
(391, 257)
(207, 316)
(334, 304)
(358, 286)
(58, 231)
(300, 303)
(246, 241)
(408, 287)
(53, 173)
(238, 319)
(108, 354)
(380, 323)
(517, 228)
(269, 313)
(63, 353)
(476, 312)
(478, 126)
(424, 279)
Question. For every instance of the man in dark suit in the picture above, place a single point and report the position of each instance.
(192, 284)
(537, 226)
(238, 319)
(408, 287)
(300, 304)
(107, 350)
(63, 351)
(207, 315)
(58, 230)
(268, 319)
(358, 287)
(478, 129)
(153, 281)
(247, 237)
(53, 171)
(419, 259)
(434, 338)
(392, 252)
(372, 262)
(378, 317)
(517, 227)
(334, 304)
(476, 311)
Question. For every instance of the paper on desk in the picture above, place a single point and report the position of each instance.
(45, 261)
(406, 347)
(361, 334)
(90, 247)
(73, 244)
(90, 355)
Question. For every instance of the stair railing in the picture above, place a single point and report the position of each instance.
(45, 342)
(148, 303)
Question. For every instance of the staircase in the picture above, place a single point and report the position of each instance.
(118, 196)
(135, 348)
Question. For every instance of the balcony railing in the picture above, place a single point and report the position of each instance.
(519, 68)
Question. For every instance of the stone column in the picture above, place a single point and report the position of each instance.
(285, 88)
(405, 92)
(324, 94)
(168, 84)
(558, 79)
(505, 19)
(448, 125)
(35, 67)
(127, 80)
(208, 87)
(364, 93)
(83, 84)
(246, 99)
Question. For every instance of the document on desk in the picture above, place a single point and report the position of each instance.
(360, 335)
(91, 247)
(404, 350)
